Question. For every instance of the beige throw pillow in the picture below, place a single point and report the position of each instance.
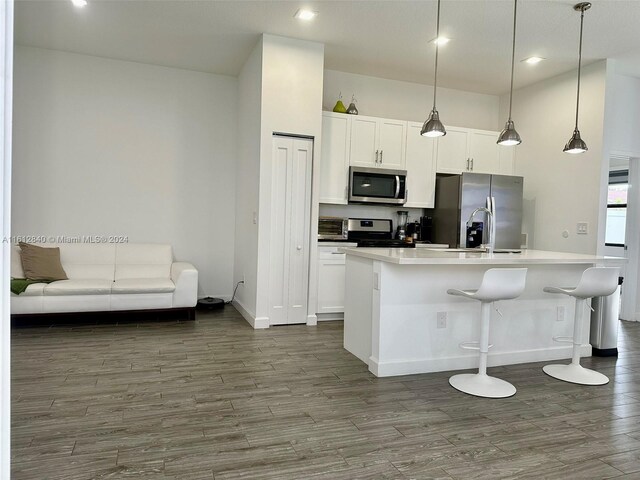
(41, 263)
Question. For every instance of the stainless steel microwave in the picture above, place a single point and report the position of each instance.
(377, 185)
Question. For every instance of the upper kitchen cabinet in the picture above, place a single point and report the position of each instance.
(467, 150)
(421, 168)
(484, 154)
(377, 142)
(452, 151)
(334, 164)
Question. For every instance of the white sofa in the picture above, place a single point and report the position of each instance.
(110, 277)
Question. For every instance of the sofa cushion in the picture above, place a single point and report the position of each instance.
(88, 260)
(40, 263)
(79, 287)
(35, 289)
(143, 261)
(143, 285)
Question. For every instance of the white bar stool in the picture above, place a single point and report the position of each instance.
(595, 282)
(497, 284)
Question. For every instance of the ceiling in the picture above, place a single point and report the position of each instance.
(388, 39)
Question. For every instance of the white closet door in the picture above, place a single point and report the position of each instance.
(290, 229)
(279, 270)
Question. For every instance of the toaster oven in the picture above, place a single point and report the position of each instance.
(332, 228)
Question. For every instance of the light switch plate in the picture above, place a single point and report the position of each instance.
(582, 228)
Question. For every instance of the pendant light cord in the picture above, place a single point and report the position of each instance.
(435, 80)
(579, 65)
(513, 55)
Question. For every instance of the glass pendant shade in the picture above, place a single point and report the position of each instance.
(509, 136)
(433, 127)
(575, 144)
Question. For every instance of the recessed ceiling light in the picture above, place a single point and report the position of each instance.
(304, 14)
(533, 60)
(79, 3)
(441, 40)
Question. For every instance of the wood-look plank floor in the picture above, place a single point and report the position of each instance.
(215, 399)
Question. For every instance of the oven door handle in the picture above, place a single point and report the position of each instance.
(397, 186)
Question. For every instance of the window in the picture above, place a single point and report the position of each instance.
(617, 208)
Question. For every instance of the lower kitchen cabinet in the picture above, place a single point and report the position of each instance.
(331, 282)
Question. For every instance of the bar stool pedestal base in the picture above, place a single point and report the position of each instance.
(482, 385)
(573, 373)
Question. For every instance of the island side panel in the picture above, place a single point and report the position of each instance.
(410, 297)
(358, 307)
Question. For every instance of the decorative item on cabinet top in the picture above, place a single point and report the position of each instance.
(339, 107)
(352, 110)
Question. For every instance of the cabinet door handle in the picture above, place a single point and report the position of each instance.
(299, 247)
(472, 164)
(376, 156)
(467, 164)
(381, 156)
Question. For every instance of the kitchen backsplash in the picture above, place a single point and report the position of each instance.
(368, 211)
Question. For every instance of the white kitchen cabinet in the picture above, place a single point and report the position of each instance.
(421, 168)
(468, 150)
(392, 135)
(334, 163)
(452, 151)
(331, 281)
(377, 142)
(507, 160)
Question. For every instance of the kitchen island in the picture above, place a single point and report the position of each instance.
(400, 320)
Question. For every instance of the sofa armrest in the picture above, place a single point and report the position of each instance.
(185, 277)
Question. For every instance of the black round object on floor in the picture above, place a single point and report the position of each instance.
(210, 303)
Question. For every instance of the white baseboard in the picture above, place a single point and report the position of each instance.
(330, 317)
(255, 322)
(312, 320)
(429, 365)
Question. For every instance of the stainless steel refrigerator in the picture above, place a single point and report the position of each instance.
(457, 196)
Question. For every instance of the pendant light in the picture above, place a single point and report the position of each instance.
(509, 136)
(575, 143)
(433, 127)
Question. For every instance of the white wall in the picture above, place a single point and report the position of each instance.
(380, 97)
(248, 181)
(111, 147)
(560, 189)
(623, 112)
(292, 72)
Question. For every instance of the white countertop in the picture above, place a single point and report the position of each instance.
(331, 243)
(426, 256)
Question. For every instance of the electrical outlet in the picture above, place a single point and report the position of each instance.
(582, 228)
(441, 319)
(560, 314)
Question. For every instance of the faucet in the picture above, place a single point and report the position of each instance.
(491, 234)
